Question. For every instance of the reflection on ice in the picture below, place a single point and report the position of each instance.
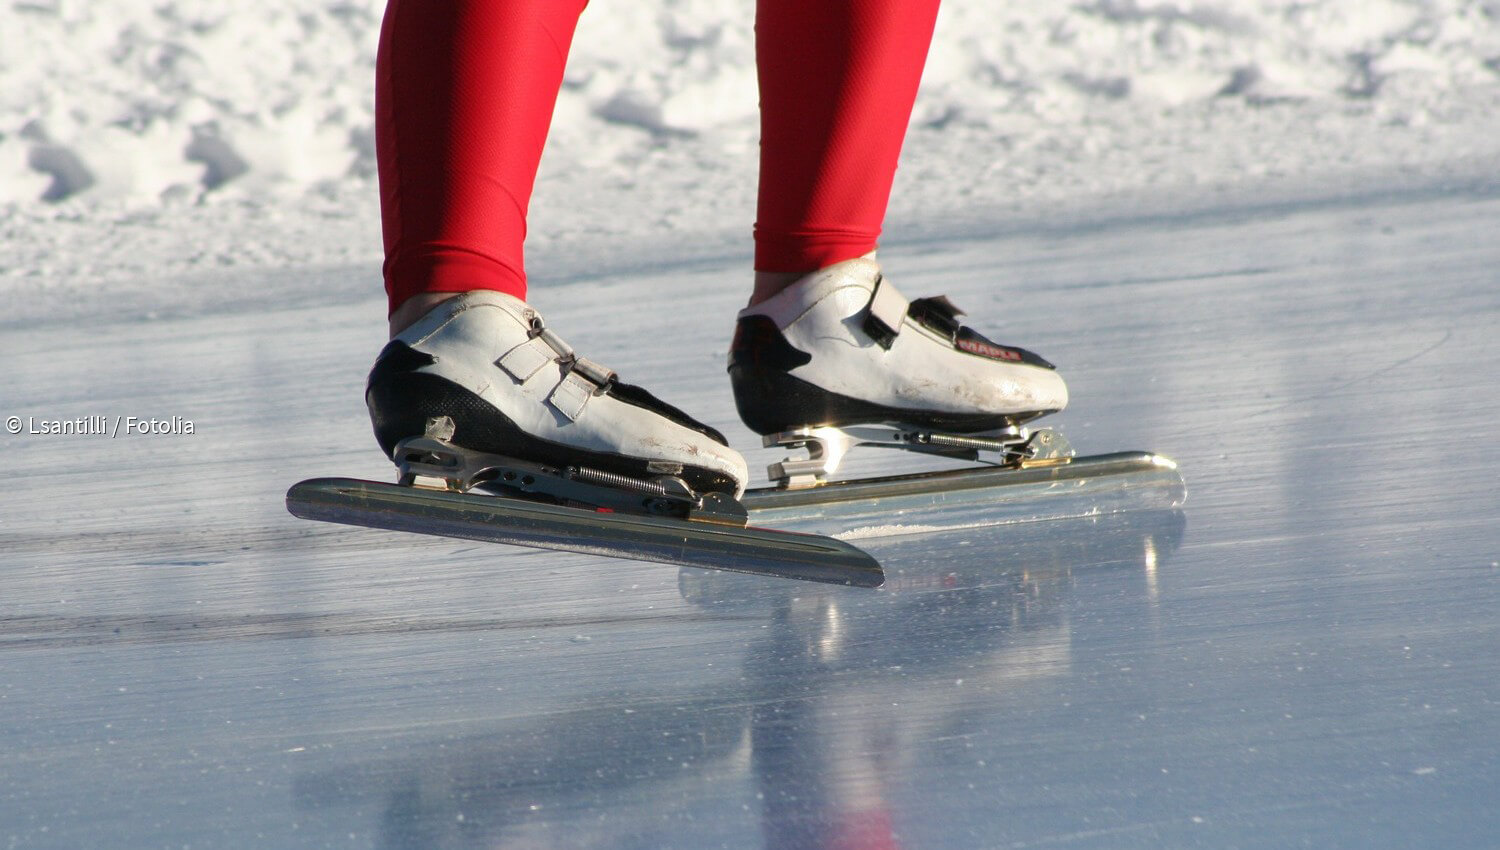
(839, 691)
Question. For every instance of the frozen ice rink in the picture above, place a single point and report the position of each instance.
(1307, 655)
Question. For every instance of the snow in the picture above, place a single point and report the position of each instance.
(189, 139)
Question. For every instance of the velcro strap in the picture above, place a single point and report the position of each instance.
(524, 360)
(571, 395)
(581, 380)
(541, 347)
(886, 312)
(584, 380)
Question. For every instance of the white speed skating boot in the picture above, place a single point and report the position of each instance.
(841, 349)
(500, 382)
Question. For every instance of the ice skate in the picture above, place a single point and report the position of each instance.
(481, 393)
(503, 434)
(841, 358)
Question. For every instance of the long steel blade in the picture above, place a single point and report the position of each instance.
(498, 519)
(1040, 490)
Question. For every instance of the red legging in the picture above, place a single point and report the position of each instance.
(464, 95)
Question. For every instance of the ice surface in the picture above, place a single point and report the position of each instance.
(1305, 657)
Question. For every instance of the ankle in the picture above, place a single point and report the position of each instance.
(415, 308)
(770, 284)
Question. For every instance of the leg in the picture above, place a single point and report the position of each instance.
(464, 98)
(827, 341)
(837, 83)
(463, 101)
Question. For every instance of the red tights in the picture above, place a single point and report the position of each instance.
(464, 97)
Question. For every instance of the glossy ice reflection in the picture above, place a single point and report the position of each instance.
(838, 697)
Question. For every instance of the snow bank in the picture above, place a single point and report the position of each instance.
(242, 129)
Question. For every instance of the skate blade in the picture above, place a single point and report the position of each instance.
(519, 522)
(1054, 488)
